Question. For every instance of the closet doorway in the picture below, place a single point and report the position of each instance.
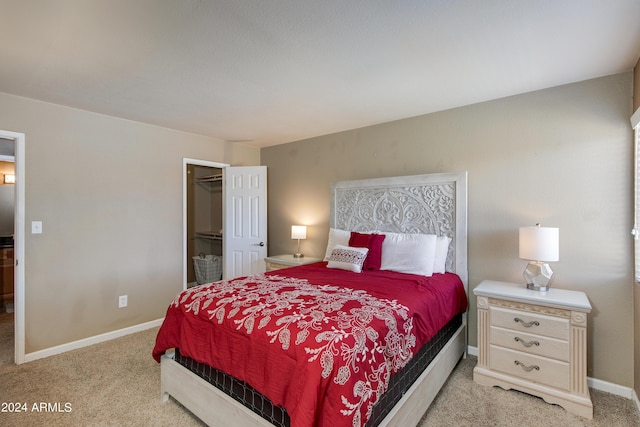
(225, 215)
(204, 219)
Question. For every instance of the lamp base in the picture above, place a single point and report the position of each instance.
(298, 255)
(538, 276)
(534, 287)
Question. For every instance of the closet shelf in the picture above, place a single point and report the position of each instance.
(210, 178)
(212, 235)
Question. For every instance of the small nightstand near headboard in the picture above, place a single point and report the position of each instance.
(430, 204)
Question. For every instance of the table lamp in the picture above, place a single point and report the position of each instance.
(539, 245)
(298, 232)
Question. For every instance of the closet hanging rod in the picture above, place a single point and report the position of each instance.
(210, 178)
(209, 235)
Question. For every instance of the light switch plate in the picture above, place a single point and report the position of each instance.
(36, 227)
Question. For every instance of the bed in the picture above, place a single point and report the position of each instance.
(340, 342)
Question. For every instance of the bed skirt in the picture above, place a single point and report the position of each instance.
(399, 383)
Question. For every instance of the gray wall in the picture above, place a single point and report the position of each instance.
(109, 194)
(560, 156)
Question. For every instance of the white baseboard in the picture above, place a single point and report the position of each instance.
(594, 383)
(40, 354)
(610, 387)
(472, 350)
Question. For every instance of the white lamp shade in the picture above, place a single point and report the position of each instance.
(298, 231)
(539, 243)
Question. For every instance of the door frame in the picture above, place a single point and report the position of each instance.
(187, 161)
(19, 302)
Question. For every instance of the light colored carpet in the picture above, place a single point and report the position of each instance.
(117, 383)
(6, 340)
(461, 402)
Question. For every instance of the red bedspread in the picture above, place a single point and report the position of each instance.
(320, 342)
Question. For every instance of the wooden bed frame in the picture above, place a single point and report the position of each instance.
(433, 204)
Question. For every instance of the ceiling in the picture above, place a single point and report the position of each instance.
(269, 72)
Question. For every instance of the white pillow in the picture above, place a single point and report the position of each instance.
(409, 253)
(347, 258)
(442, 250)
(336, 237)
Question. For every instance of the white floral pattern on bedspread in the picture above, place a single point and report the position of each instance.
(334, 325)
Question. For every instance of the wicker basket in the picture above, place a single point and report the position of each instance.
(208, 268)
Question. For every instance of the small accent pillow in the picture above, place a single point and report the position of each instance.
(373, 242)
(442, 250)
(336, 237)
(412, 253)
(347, 258)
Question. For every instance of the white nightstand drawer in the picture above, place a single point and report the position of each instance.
(529, 343)
(539, 324)
(532, 368)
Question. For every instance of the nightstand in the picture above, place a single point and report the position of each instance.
(277, 262)
(534, 342)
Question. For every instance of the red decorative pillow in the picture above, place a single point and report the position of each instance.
(373, 242)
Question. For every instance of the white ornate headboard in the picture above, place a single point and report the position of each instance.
(430, 204)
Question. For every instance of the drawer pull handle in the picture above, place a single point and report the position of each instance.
(526, 324)
(525, 343)
(525, 367)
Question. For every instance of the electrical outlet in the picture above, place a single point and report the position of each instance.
(122, 301)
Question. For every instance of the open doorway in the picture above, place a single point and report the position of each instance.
(243, 209)
(204, 224)
(242, 227)
(12, 219)
(202, 213)
(7, 211)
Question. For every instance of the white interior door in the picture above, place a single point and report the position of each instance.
(245, 220)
